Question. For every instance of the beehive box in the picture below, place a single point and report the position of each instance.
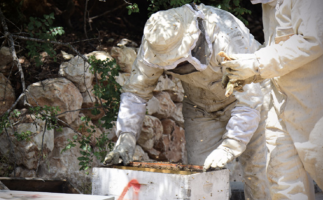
(140, 183)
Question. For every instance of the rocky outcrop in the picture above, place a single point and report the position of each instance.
(27, 150)
(90, 101)
(150, 135)
(24, 172)
(140, 154)
(57, 92)
(86, 128)
(77, 71)
(125, 57)
(7, 94)
(161, 105)
(65, 165)
(173, 142)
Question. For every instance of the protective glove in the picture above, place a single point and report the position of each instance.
(242, 67)
(225, 153)
(217, 159)
(124, 149)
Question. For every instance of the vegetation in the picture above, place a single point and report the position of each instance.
(45, 31)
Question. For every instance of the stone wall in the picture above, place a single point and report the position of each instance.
(162, 137)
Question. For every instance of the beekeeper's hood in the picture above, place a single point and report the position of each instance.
(174, 36)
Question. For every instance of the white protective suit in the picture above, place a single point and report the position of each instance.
(233, 124)
(293, 55)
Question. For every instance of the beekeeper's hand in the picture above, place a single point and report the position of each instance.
(242, 67)
(124, 149)
(217, 159)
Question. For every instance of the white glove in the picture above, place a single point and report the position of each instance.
(217, 159)
(124, 149)
(242, 67)
(225, 153)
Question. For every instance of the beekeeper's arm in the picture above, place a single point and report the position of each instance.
(244, 121)
(135, 94)
(303, 47)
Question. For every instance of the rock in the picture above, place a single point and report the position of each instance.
(140, 155)
(111, 132)
(66, 56)
(81, 126)
(161, 105)
(7, 94)
(126, 43)
(177, 115)
(78, 72)
(124, 57)
(57, 92)
(90, 101)
(99, 55)
(27, 151)
(23, 172)
(172, 143)
(65, 165)
(150, 135)
(122, 78)
(5, 56)
(171, 85)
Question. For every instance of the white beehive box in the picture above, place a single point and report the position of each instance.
(143, 185)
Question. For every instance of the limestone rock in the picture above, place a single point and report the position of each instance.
(57, 92)
(161, 106)
(81, 126)
(100, 55)
(140, 155)
(7, 94)
(66, 56)
(177, 115)
(27, 151)
(6, 56)
(90, 101)
(126, 43)
(124, 57)
(65, 165)
(77, 71)
(150, 135)
(111, 132)
(171, 85)
(23, 172)
(172, 143)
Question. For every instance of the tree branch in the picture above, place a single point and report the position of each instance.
(85, 13)
(13, 51)
(52, 42)
(42, 147)
(107, 12)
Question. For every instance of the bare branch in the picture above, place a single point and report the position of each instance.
(13, 51)
(42, 147)
(52, 42)
(85, 13)
(75, 131)
(13, 105)
(75, 110)
(108, 12)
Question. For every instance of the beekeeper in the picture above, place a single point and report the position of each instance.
(185, 42)
(293, 59)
